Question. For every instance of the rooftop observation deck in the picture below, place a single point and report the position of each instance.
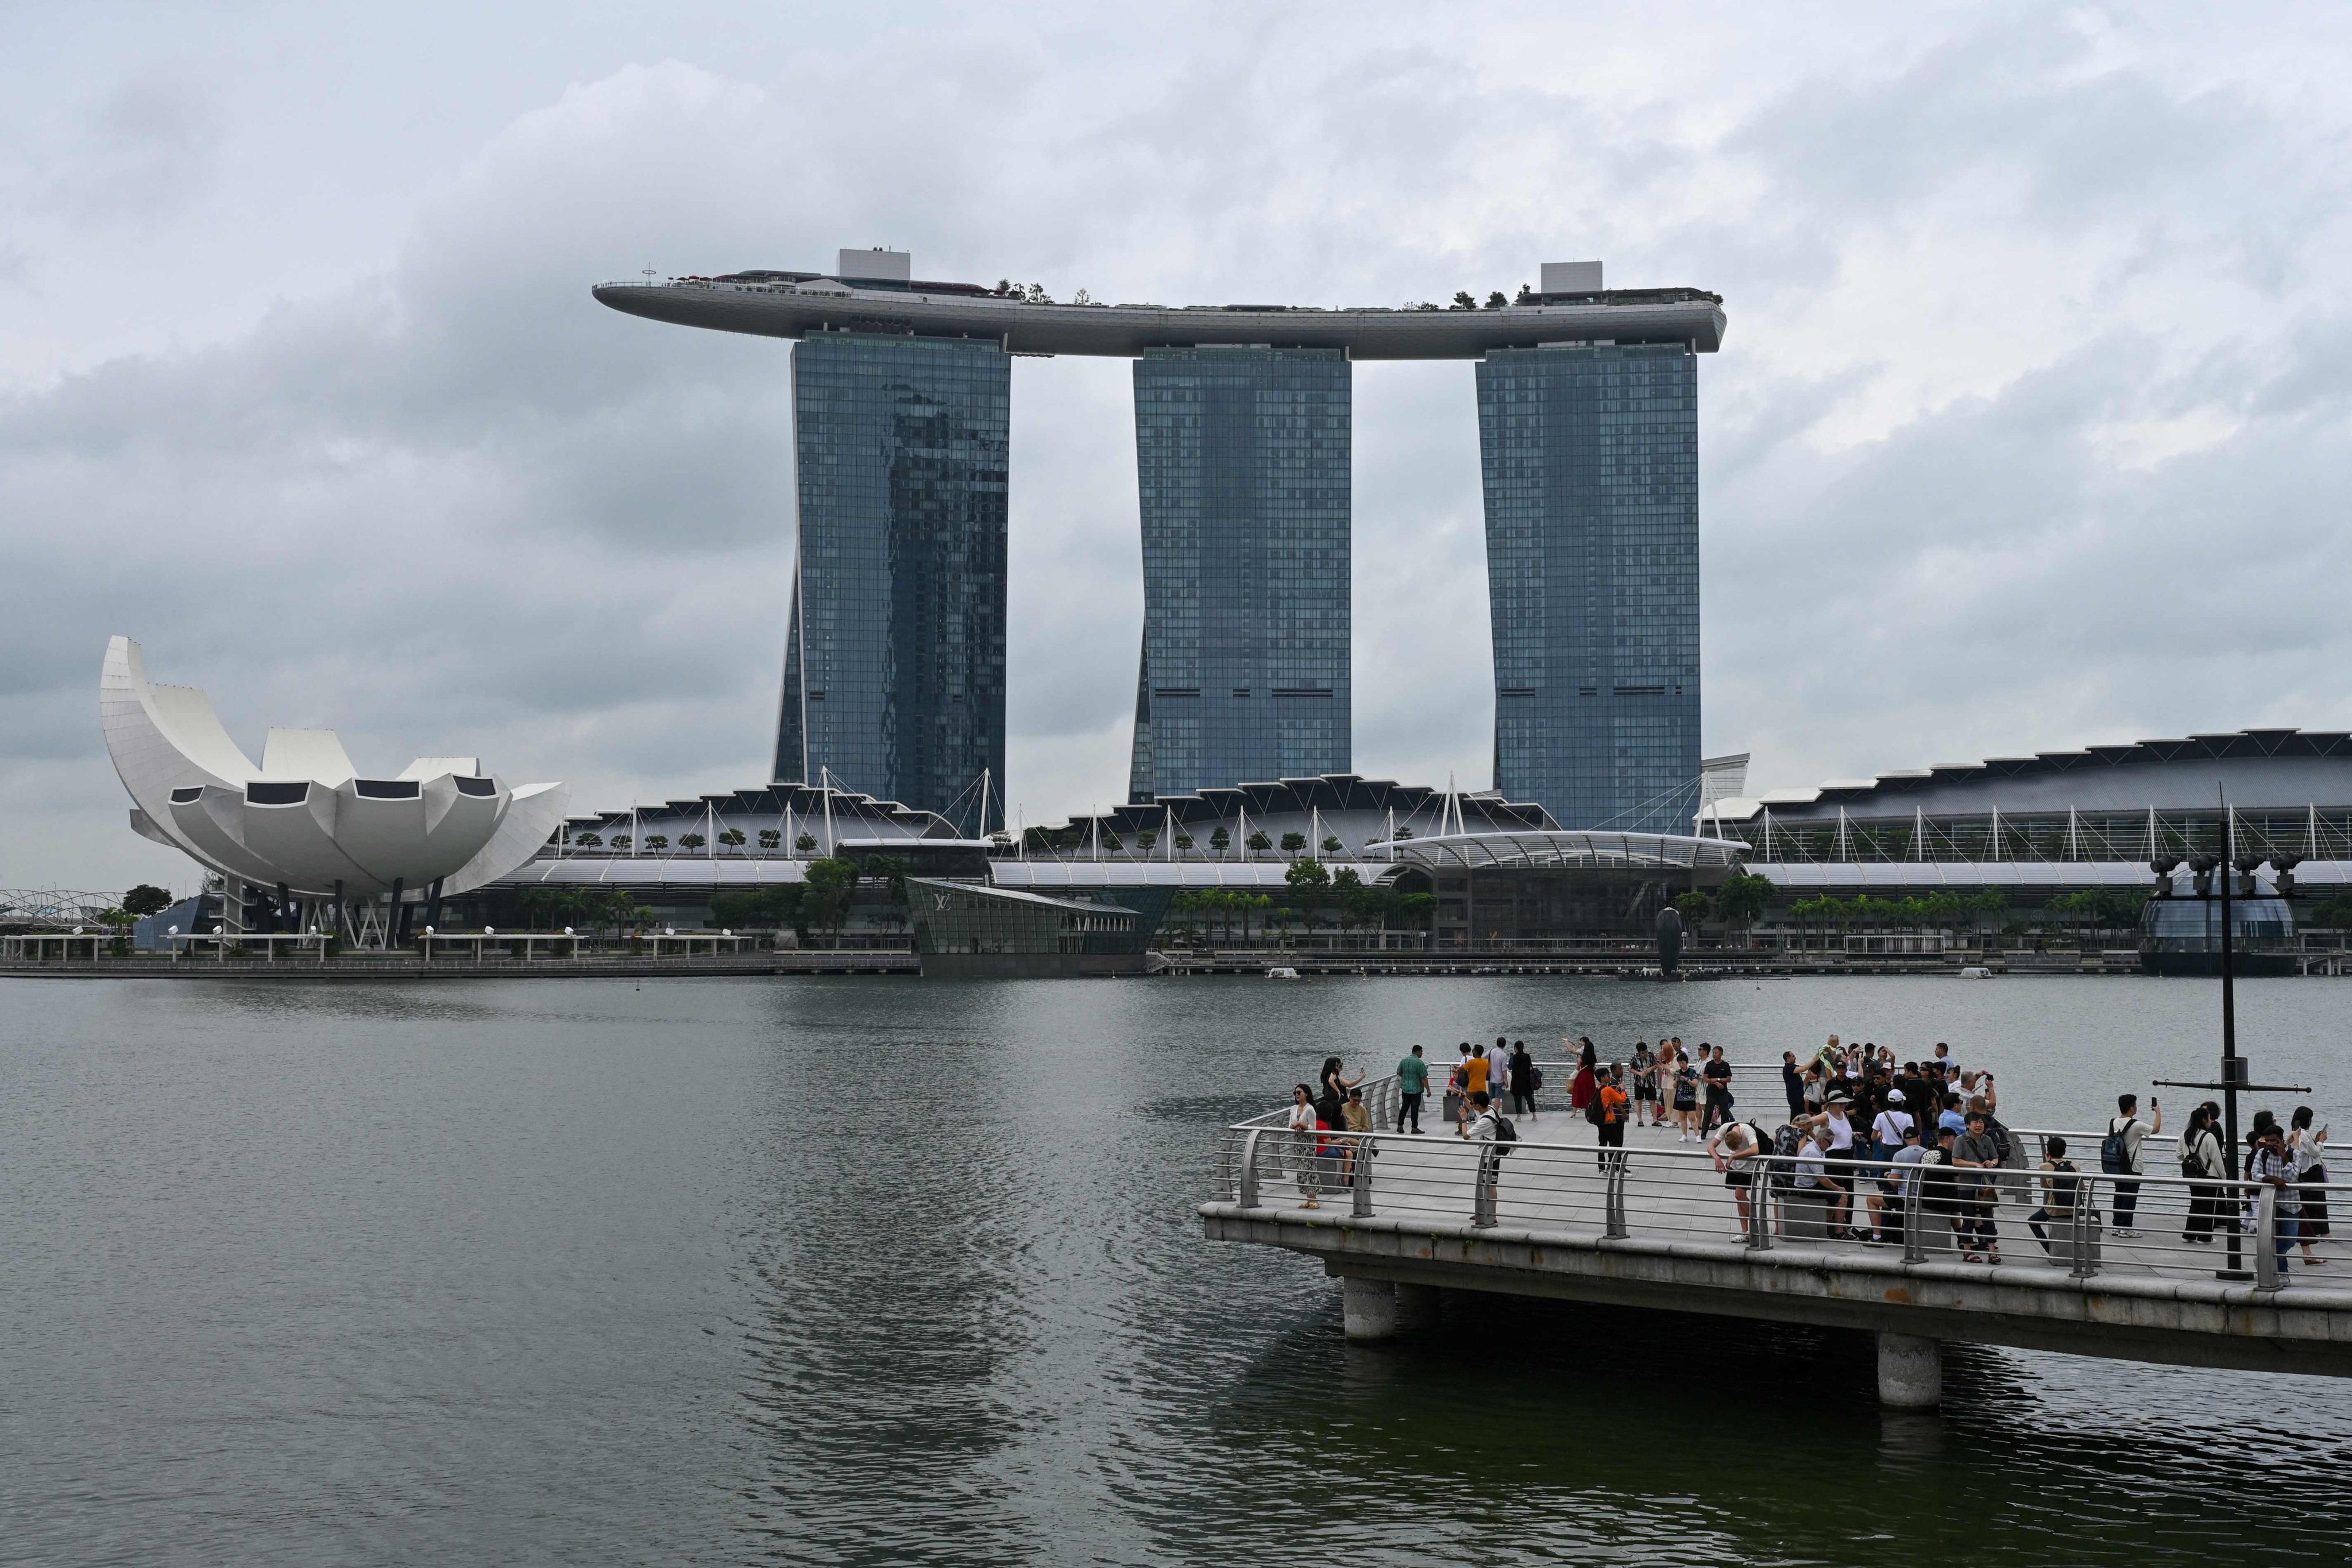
(1657, 1226)
(793, 305)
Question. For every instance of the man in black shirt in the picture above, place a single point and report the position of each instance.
(1718, 1074)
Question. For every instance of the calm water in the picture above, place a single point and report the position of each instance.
(870, 1270)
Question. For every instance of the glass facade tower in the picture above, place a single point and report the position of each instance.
(893, 664)
(1590, 459)
(1241, 458)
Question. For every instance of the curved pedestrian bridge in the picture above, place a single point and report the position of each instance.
(1398, 1217)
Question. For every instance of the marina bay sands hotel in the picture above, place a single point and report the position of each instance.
(895, 666)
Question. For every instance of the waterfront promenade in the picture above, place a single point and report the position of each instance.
(1658, 1227)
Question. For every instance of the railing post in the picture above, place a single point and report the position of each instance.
(1760, 1212)
(2084, 1232)
(2266, 1258)
(1915, 1228)
(1614, 1197)
(1363, 1177)
(1248, 1194)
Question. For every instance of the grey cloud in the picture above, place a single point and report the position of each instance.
(458, 505)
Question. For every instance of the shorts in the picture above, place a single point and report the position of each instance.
(1645, 1091)
(1739, 1178)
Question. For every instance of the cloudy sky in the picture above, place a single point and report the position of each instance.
(2029, 430)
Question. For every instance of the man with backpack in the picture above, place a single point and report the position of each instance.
(2119, 1155)
(1488, 1126)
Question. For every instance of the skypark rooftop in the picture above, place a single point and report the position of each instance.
(784, 304)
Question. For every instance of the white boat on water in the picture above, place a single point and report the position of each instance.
(1281, 971)
(1975, 972)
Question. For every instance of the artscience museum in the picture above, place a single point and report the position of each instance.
(302, 840)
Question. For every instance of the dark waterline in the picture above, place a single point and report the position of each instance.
(871, 1270)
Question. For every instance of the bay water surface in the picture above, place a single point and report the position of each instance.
(869, 1270)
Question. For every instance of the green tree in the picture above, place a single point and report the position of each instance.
(1527, 296)
(1183, 841)
(830, 884)
(1220, 838)
(620, 841)
(1292, 843)
(144, 899)
(1695, 905)
(1258, 840)
(759, 909)
(1741, 899)
(771, 838)
(1494, 301)
(731, 836)
(805, 843)
(1332, 845)
(657, 842)
(1146, 840)
(590, 839)
(692, 841)
(1307, 876)
(1463, 300)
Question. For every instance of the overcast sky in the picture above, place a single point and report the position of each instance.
(2030, 429)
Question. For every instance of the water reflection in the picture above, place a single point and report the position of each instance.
(874, 1271)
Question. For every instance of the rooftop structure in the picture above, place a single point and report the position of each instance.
(788, 304)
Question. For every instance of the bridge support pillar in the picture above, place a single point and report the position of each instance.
(1416, 1308)
(1910, 1372)
(1367, 1307)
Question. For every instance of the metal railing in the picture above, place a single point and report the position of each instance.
(2087, 1224)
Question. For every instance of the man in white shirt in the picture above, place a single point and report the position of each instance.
(2127, 1127)
(1888, 1128)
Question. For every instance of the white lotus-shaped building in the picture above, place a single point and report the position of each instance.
(304, 819)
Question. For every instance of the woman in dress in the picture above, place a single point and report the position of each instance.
(1586, 1083)
(2309, 1150)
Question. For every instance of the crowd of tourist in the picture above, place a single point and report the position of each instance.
(1864, 1134)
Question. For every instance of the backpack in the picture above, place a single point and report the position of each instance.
(1592, 1109)
(1535, 1079)
(1504, 1133)
(1786, 1142)
(2001, 1140)
(2115, 1152)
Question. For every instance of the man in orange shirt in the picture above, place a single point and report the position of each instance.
(1478, 1069)
(1615, 1107)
